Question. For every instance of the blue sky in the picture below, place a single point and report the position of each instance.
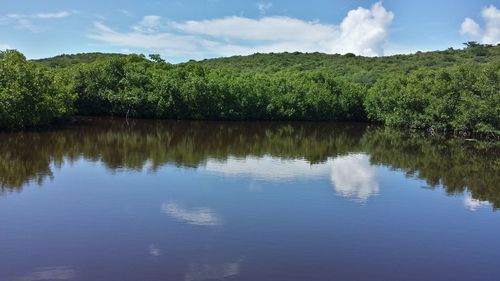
(197, 29)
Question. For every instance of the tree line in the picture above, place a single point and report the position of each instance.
(454, 90)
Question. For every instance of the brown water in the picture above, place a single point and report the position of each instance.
(165, 200)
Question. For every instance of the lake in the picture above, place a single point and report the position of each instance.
(114, 199)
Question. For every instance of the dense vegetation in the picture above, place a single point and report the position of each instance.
(456, 164)
(30, 95)
(452, 90)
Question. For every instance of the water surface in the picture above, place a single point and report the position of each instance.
(168, 200)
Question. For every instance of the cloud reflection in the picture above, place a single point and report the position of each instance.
(473, 204)
(50, 274)
(154, 251)
(197, 216)
(267, 168)
(353, 176)
(212, 271)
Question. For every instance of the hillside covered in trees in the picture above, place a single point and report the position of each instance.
(453, 90)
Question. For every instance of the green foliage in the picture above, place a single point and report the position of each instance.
(452, 90)
(193, 91)
(465, 99)
(64, 60)
(156, 58)
(29, 95)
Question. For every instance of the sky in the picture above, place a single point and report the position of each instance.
(199, 29)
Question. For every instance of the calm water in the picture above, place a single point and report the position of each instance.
(146, 200)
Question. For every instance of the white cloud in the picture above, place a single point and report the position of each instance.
(103, 28)
(168, 43)
(263, 7)
(198, 216)
(264, 29)
(148, 24)
(5, 47)
(25, 21)
(492, 31)
(490, 34)
(363, 31)
(474, 204)
(57, 15)
(354, 177)
(470, 27)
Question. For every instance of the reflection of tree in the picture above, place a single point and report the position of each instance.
(28, 156)
(458, 165)
(22, 161)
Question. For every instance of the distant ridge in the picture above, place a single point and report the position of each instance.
(66, 60)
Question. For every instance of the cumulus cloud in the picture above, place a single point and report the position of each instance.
(490, 33)
(470, 27)
(197, 216)
(363, 31)
(354, 177)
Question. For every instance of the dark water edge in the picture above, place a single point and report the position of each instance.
(459, 165)
(86, 120)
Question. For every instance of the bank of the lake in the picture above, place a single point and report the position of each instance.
(455, 91)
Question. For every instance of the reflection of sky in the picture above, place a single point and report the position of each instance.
(212, 271)
(154, 251)
(267, 168)
(50, 273)
(351, 176)
(474, 204)
(196, 216)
